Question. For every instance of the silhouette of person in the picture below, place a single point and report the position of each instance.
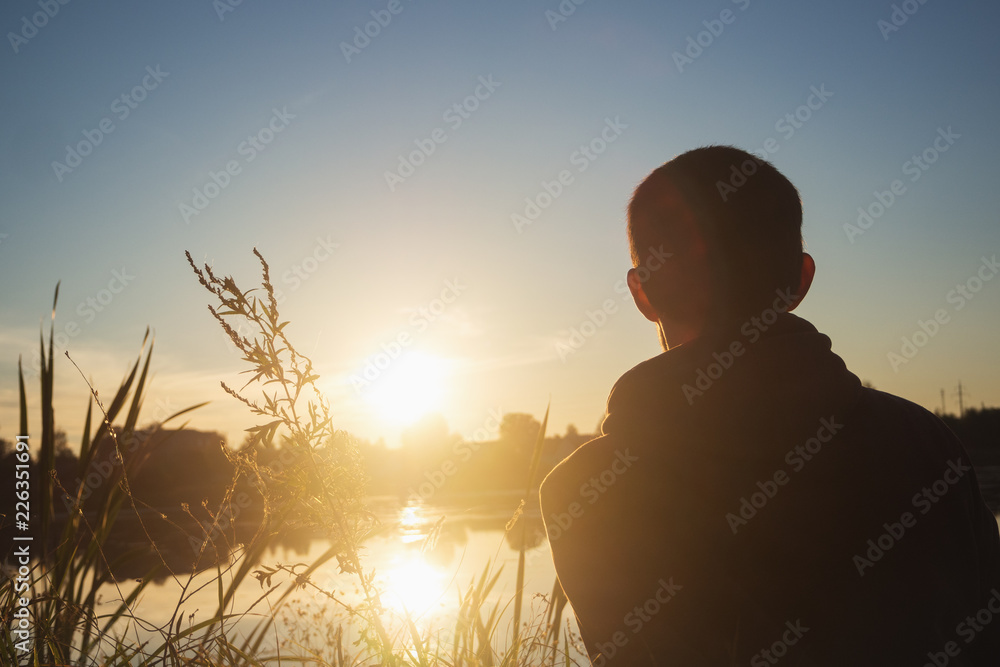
(748, 501)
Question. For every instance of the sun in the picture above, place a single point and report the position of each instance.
(409, 388)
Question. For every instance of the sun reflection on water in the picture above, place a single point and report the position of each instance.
(412, 525)
(409, 582)
(412, 585)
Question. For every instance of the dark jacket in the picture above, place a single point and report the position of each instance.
(750, 503)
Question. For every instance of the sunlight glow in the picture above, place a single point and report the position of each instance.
(412, 526)
(410, 388)
(412, 585)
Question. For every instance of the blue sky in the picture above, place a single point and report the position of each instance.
(357, 259)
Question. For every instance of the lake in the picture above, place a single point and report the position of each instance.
(424, 555)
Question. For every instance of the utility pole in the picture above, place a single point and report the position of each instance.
(942, 403)
(961, 405)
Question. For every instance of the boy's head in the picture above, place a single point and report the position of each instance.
(733, 224)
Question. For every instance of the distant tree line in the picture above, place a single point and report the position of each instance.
(979, 431)
(184, 474)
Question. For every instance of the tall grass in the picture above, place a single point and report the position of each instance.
(322, 489)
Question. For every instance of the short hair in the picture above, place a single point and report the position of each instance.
(746, 215)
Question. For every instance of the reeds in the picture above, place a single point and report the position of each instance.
(322, 489)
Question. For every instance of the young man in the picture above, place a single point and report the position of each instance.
(749, 502)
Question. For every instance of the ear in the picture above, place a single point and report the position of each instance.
(639, 296)
(805, 279)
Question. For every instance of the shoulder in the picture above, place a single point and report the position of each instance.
(887, 412)
(563, 483)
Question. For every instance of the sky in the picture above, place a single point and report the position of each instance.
(445, 183)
